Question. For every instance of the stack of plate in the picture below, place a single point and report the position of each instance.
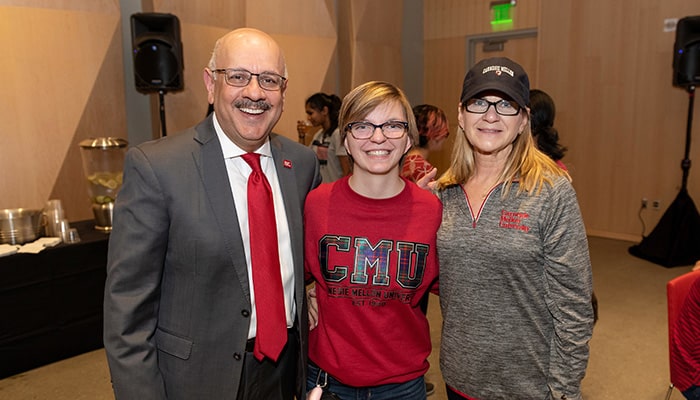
(19, 225)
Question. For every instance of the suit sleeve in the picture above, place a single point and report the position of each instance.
(134, 270)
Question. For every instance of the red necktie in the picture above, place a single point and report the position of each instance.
(267, 279)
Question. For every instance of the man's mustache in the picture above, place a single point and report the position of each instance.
(259, 105)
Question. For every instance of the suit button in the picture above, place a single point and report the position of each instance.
(245, 313)
(237, 356)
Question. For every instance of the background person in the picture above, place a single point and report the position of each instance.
(322, 111)
(431, 123)
(370, 248)
(432, 132)
(180, 315)
(515, 273)
(542, 114)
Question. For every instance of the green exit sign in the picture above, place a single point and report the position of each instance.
(501, 12)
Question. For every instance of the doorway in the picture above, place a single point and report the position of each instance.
(518, 45)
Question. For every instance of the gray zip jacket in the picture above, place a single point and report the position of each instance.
(515, 292)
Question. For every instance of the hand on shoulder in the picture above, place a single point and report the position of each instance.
(428, 181)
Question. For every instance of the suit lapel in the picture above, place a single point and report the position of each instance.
(212, 170)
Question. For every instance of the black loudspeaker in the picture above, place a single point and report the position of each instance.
(686, 52)
(157, 52)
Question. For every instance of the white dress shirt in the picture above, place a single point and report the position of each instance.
(238, 171)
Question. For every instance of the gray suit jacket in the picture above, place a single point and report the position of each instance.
(177, 301)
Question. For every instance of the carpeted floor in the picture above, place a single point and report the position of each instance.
(628, 351)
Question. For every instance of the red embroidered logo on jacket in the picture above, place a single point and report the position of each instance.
(514, 220)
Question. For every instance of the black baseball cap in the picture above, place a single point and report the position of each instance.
(501, 74)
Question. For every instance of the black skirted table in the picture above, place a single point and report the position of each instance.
(51, 302)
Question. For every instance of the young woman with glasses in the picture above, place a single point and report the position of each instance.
(370, 248)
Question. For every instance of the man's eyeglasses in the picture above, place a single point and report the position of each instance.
(364, 130)
(502, 107)
(241, 78)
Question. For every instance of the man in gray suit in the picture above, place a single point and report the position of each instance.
(179, 319)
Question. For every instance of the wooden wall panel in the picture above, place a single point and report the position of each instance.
(444, 69)
(95, 6)
(65, 80)
(302, 18)
(308, 33)
(617, 111)
(455, 18)
(374, 33)
(305, 30)
(212, 14)
(607, 65)
(65, 63)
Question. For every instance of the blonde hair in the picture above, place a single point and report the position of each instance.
(363, 99)
(525, 164)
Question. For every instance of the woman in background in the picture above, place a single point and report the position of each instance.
(432, 132)
(542, 113)
(322, 111)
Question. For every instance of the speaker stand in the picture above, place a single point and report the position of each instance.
(161, 101)
(685, 164)
(676, 239)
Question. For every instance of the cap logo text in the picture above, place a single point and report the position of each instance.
(498, 70)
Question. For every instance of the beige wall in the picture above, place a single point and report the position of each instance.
(65, 81)
(607, 65)
(61, 81)
(619, 114)
(324, 53)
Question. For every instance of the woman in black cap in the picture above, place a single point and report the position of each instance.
(515, 273)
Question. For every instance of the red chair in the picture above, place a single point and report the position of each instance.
(676, 292)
